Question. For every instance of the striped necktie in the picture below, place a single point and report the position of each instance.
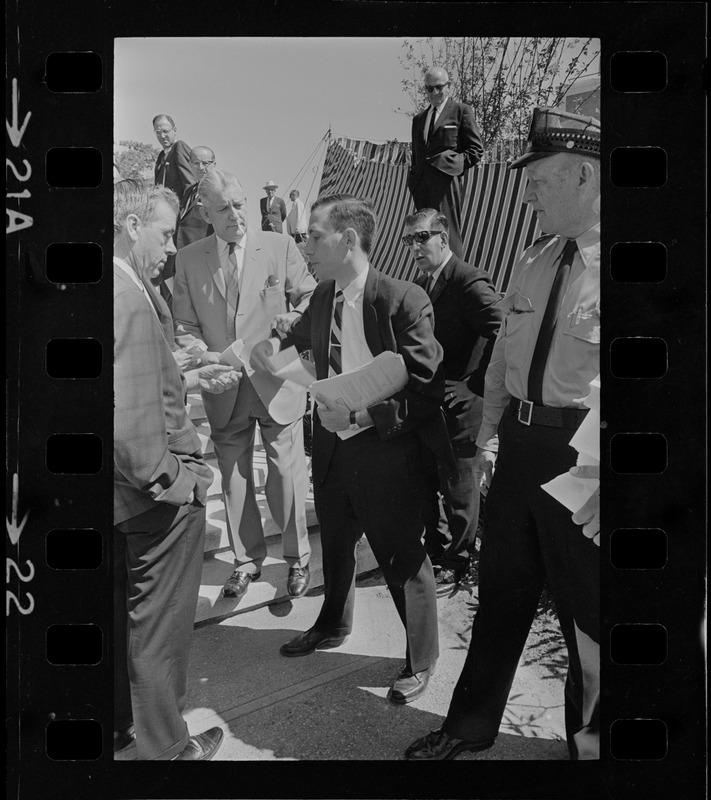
(232, 286)
(547, 329)
(335, 361)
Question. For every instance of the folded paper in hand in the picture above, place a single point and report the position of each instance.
(360, 388)
(237, 356)
(289, 366)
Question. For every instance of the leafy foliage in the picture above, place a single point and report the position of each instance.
(136, 159)
(502, 78)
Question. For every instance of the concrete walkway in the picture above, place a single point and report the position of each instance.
(331, 705)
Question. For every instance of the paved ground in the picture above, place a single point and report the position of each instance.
(331, 705)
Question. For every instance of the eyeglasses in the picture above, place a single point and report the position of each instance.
(418, 236)
(437, 87)
(202, 163)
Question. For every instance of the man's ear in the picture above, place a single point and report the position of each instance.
(586, 174)
(133, 227)
(204, 213)
(350, 237)
(444, 236)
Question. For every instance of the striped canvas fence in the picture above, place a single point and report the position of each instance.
(496, 225)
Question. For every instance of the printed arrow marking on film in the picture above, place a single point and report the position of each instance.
(14, 531)
(13, 131)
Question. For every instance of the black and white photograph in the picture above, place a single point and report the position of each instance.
(374, 482)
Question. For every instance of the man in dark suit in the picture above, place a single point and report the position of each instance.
(467, 310)
(160, 492)
(273, 209)
(445, 143)
(367, 472)
(191, 223)
(173, 170)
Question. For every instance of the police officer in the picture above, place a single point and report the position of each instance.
(545, 356)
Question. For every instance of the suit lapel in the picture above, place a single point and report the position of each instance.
(370, 315)
(251, 271)
(190, 203)
(213, 264)
(321, 328)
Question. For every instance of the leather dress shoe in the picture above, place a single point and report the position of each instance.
(238, 583)
(409, 687)
(446, 582)
(440, 746)
(298, 581)
(124, 738)
(307, 642)
(202, 747)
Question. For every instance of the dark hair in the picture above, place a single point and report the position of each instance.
(163, 116)
(347, 211)
(430, 215)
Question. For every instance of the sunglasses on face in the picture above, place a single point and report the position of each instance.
(420, 237)
(436, 88)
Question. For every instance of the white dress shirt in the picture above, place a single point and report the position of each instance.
(354, 348)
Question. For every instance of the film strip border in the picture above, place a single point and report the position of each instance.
(59, 465)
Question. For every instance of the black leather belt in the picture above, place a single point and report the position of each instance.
(530, 414)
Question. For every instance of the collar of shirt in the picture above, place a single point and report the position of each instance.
(353, 292)
(433, 276)
(128, 269)
(589, 244)
(223, 247)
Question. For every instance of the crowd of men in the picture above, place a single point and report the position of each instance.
(491, 382)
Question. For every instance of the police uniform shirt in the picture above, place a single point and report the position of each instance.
(574, 357)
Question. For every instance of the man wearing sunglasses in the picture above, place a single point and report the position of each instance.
(467, 310)
(445, 143)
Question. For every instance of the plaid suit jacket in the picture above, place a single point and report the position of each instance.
(157, 455)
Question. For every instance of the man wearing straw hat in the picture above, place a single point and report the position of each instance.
(273, 209)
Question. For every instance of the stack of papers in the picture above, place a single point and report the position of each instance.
(574, 492)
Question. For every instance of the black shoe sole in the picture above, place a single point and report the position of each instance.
(326, 644)
(463, 747)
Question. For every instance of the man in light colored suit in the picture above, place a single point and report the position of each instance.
(191, 223)
(228, 287)
(296, 219)
(160, 491)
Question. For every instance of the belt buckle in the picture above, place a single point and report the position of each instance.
(526, 408)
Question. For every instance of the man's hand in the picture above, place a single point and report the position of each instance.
(283, 322)
(589, 514)
(209, 357)
(217, 378)
(334, 416)
(484, 463)
(185, 360)
(457, 392)
(261, 353)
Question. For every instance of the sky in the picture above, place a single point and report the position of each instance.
(262, 104)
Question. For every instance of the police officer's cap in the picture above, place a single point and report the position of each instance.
(553, 131)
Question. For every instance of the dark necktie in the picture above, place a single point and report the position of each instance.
(232, 286)
(545, 334)
(335, 361)
(432, 123)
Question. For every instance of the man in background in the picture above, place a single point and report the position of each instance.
(160, 492)
(273, 209)
(445, 143)
(191, 223)
(467, 312)
(172, 170)
(296, 222)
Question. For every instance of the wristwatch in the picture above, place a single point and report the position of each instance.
(354, 426)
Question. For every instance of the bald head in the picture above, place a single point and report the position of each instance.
(437, 85)
(202, 160)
